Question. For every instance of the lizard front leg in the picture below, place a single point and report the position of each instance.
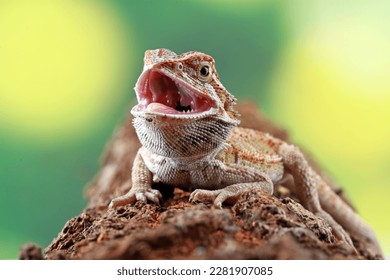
(239, 179)
(141, 189)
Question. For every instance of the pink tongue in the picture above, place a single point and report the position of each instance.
(162, 88)
(160, 108)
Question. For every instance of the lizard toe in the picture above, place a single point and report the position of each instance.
(122, 200)
(203, 195)
(153, 197)
(134, 195)
(226, 196)
(218, 205)
(156, 193)
(141, 196)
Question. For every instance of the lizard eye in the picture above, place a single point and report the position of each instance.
(179, 66)
(204, 72)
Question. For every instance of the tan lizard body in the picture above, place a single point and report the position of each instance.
(186, 122)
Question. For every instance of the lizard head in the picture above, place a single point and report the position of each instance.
(179, 96)
(182, 86)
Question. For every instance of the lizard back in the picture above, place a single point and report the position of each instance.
(252, 148)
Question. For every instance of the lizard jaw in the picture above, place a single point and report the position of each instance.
(160, 94)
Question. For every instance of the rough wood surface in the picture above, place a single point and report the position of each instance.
(257, 227)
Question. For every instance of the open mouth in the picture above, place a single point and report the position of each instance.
(158, 93)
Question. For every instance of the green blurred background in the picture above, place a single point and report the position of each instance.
(67, 69)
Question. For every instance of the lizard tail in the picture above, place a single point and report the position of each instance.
(347, 217)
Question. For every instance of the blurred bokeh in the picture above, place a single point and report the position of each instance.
(67, 69)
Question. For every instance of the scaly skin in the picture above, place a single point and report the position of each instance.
(186, 122)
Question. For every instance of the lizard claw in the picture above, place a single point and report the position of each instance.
(217, 196)
(136, 194)
(203, 195)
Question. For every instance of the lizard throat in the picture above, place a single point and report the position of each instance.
(158, 93)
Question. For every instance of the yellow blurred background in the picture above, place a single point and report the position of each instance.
(67, 69)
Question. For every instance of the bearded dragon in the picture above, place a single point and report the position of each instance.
(188, 127)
